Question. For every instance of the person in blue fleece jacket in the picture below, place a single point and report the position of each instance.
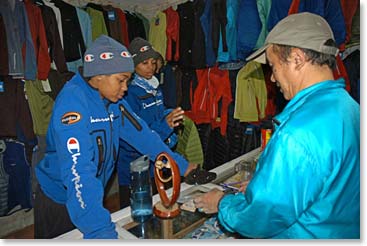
(307, 180)
(146, 99)
(89, 118)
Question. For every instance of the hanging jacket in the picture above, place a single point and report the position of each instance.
(307, 181)
(15, 117)
(38, 33)
(251, 94)
(263, 8)
(19, 171)
(198, 43)
(205, 20)
(188, 143)
(82, 147)
(278, 10)
(124, 27)
(219, 22)
(211, 98)
(187, 32)
(231, 33)
(97, 21)
(349, 9)
(53, 38)
(73, 41)
(332, 12)
(157, 33)
(173, 35)
(249, 27)
(21, 53)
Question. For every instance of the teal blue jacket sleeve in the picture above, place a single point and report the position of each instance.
(276, 196)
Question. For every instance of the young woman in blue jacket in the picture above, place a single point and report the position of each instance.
(89, 118)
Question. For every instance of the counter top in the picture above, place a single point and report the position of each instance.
(125, 225)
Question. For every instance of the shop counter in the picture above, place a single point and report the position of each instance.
(186, 224)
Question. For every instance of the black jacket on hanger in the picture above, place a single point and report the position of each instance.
(72, 33)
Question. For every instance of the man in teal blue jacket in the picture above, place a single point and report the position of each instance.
(307, 180)
(89, 117)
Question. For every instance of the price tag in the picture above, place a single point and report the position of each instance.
(46, 85)
(111, 15)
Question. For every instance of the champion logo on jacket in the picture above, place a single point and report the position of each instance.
(74, 149)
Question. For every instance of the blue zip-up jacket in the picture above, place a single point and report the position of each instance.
(147, 102)
(263, 7)
(278, 10)
(331, 10)
(231, 33)
(17, 34)
(249, 27)
(205, 20)
(82, 144)
(307, 180)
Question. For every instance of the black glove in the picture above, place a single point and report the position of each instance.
(199, 176)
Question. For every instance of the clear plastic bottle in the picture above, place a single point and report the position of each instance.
(140, 190)
(244, 169)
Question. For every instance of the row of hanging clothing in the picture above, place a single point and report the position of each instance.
(205, 44)
(197, 34)
(43, 40)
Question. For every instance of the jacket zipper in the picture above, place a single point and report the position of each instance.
(100, 154)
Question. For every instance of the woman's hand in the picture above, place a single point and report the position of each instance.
(175, 117)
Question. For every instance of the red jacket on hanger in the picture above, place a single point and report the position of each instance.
(173, 34)
(39, 39)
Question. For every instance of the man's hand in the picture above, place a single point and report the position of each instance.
(208, 203)
(175, 118)
(243, 186)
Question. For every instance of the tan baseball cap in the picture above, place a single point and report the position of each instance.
(303, 30)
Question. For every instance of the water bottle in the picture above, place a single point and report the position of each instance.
(244, 169)
(140, 190)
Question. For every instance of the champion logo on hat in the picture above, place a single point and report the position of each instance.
(144, 48)
(106, 56)
(73, 145)
(125, 54)
(89, 58)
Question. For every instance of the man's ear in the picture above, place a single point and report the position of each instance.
(298, 58)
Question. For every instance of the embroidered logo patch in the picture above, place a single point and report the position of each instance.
(125, 54)
(144, 48)
(89, 58)
(73, 145)
(70, 118)
(106, 56)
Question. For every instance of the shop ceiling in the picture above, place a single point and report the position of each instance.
(146, 7)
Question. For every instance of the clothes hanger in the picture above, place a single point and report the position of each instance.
(39, 2)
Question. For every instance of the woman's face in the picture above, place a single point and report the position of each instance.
(146, 69)
(114, 86)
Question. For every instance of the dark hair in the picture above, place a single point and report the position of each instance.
(160, 57)
(283, 51)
